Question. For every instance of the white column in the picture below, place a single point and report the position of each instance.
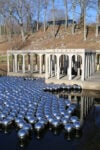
(46, 66)
(23, 67)
(15, 62)
(49, 65)
(70, 68)
(18, 63)
(92, 63)
(95, 62)
(40, 69)
(58, 67)
(83, 67)
(8, 63)
(75, 58)
(88, 65)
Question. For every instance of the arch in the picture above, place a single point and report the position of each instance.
(35, 62)
(11, 62)
(27, 62)
(98, 62)
(79, 64)
(64, 64)
(19, 62)
(74, 65)
(52, 65)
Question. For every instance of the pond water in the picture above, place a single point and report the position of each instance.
(13, 90)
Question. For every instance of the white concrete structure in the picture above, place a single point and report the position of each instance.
(98, 59)
(72, 64)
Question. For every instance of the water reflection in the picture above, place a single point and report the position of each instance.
(83, 104)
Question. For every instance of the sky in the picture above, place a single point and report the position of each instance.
(91, 12)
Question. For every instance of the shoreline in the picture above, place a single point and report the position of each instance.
(92, 83)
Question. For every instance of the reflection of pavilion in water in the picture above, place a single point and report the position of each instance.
(84, 103)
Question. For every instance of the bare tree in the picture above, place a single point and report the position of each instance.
(73, 12)
(98, 19)
(19, 14)
(53, 16)
(66, 13)
(45, 11)
(85, 29)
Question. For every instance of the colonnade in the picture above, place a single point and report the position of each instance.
(85, 105)
(57, 63)
(25, 63)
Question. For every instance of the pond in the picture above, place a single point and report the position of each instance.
(20, 97)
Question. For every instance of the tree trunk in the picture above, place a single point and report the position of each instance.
(38, 15)
(45, 9)
(73, 24)
(53, 16)
(82, 13)
(85, 30)
(98, 19)
(44, 20)
(66, 14)
(37, 26)
(22, 33)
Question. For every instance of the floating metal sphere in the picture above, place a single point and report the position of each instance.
(55, 123)
(10, 117)
(69, 110)
(38, 126)
(74, 119)
(62, 111)
(17, 120)
(75, 86)
(66, 115)
(68, 127)
(6, 122)
(22, 134)
(27, 127)
(77, 125)
(50, 119)
(3, 115)
(58, 117)
(39, 117)
(43, 121)
(32, 120)
(67, 102)
(64, 121)
(73, 107)
(21, 124)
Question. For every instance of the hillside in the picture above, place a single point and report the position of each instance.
(63, 39)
